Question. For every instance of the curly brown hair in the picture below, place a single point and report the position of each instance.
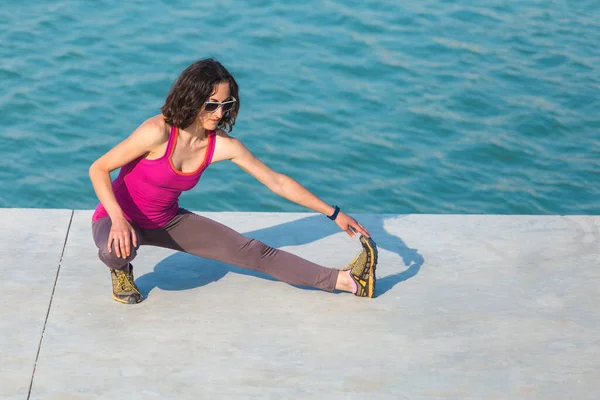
(193, 87)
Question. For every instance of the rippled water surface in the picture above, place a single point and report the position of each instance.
(378, 106)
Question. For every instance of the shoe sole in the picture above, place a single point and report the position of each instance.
(125, 301)
(371, 247)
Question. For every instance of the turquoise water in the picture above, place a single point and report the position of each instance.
(378, 106)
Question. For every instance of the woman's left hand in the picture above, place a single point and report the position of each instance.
(350, 225)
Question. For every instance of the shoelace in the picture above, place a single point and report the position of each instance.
(125, 282)
(359, 262)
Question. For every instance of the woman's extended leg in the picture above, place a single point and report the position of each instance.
(206, 238)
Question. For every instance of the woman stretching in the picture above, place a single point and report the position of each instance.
(166, 155)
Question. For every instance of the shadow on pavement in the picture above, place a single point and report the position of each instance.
(182, 271)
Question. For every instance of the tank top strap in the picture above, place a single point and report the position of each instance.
(172, 139)
(212, 138)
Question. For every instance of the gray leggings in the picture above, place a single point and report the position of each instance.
(194, 234)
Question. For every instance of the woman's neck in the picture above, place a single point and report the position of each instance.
(193, 133)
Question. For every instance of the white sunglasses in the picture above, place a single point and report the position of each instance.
(212, 106)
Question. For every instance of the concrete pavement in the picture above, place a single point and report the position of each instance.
(468, 306)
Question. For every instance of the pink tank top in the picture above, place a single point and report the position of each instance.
(148, 190)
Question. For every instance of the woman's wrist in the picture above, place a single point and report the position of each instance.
(335, 210)
(115, 214)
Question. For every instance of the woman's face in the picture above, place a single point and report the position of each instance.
(210, 120)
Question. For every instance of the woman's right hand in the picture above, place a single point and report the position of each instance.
(122, 235)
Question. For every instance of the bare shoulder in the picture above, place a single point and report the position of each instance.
(227, 146)
(154, 130)
(146, 139)
(223, 136)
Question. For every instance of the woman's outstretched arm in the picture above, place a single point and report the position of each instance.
(287, 187)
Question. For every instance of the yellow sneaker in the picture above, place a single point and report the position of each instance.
(124, 288)
(362, 268)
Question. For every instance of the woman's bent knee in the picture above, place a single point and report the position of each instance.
(101, 231)
(112, 261)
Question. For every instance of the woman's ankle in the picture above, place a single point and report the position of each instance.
(344, 282)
